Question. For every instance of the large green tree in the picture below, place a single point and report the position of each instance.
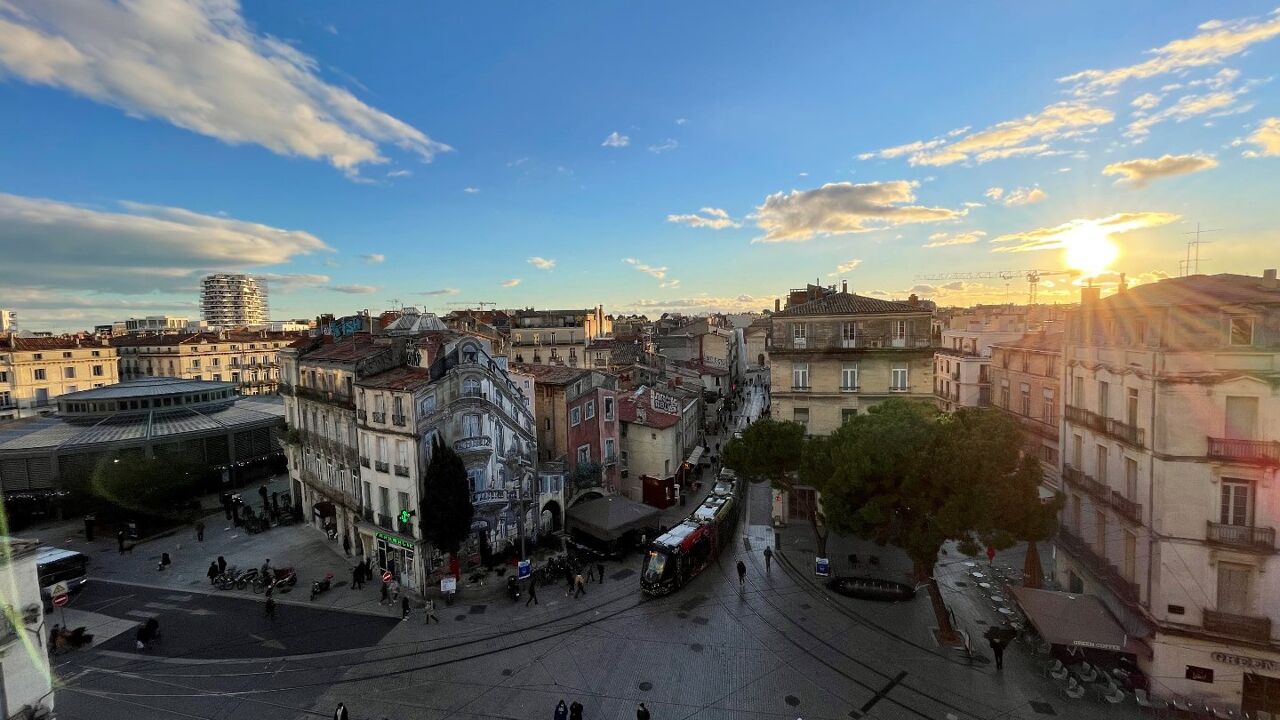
(161, 488)
(907, 476)
(447, 508)
(777, 451)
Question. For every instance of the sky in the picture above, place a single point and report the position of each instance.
(655, 157)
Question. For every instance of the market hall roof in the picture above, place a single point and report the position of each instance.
(146, 387)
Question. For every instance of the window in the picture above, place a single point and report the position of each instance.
(849, 332)
(471, 425)
(1100, 532)
(475, 477)
(1049, 408)
(609, 451)
(382, 450)
(1104, 398)
(1131, 406)
(1026, 399)
(1004, 394)
(847, 414)
(575, 416)
(402, 453)
(1242, 418)
(591, 409)
(608, 408)
(428, 405)
(66, 354)
(1241, 331)
(1077, 518)
(384, 501)
(1237, 502)
(1131, 478)
(1235, 589)
(900, 330)
(1130, 556)
(898, 381)
(584, 454)
(1077, 452)
(37, 356)
(97, 371)
(800, 376)
(39, 374)
(801, 415)
(69, 373)
(799, 335)
(1101, 463)
(849, 377)
(4, 376)
(471, 387)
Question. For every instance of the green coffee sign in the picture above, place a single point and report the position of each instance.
(393, 540)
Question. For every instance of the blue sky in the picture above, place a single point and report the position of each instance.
(357, 153)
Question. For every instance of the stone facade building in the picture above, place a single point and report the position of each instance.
(35, 371)
(248, 359)
(1025, 378)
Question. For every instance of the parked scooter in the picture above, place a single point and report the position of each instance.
(319, 586)
(513, 587)
(281, 577)
(245, 577)
(227, 579)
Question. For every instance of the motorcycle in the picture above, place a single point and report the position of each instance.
(513, 587)
(319, 586)
(245, 577)
(281, 577)
(227, 579)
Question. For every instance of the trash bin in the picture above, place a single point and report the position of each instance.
(89, 522)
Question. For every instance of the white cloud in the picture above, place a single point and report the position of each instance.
(1140, 171)
(143, 248)
(353, 289)
(682, 121)
(518, 162)
(942, 239)
(971, 204)
(995, 193)
(399, 173)
(541, 263)
(669, 284)
(700, 304)
(707, 217)
(1147, 101)
(1216, 41)
(656, 272)
(374, 258)
(441, 291)
(665, 146)
(1266, 138)
(842, 208)
(1187, 107)
(1024, 196)
(1027, 135)
(284, 283)
(199, 66)
(511, 283)
(846, 267)
(616, 140)
(1058, 236)
(470, 190)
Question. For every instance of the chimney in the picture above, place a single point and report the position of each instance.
(777, 304)
(1269, 275)
(844, 286)
(914, 300)
(1089, 296)
(1124, 284)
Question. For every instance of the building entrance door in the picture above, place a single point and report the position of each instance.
(397, 558)
(1261, 694)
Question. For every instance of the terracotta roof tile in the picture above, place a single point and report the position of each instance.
(849, 303)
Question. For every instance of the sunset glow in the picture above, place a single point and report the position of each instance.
(1090, 250)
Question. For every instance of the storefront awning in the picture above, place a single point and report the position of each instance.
(1071, 620)
(324, 509)
(695, 456)
(611, 517)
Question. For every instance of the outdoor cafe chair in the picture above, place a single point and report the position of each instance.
(1147, 703)
(1086, 672)
(1111, 694)
(1056, 670)
(1073, 690)
(1183, 706)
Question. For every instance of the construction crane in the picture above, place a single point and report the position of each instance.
(470, 304)
(1032, 276)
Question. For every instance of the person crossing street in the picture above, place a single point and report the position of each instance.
(742, 574)
(533, 594)
(768, 558)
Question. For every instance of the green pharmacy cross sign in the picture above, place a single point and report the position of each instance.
(405, 516)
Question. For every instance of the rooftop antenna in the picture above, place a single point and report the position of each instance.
(1191, 265)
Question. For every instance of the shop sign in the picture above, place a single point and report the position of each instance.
(1199, 674)
(1246, 662)
(822, 567)
(448, 584)
(395, 540)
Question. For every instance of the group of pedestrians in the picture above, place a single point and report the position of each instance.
(576, 581)
(573, 711)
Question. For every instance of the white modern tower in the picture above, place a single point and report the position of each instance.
(230, 300)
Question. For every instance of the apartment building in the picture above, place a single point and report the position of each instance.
(1171, 446)
(593, 435)
(249, 359)
(1025, 379)
(649, 429)
(555, 337)
(34, 371)
(835, 354)
(962, 361)
(26, 684)
(230, 300)
(155, 324)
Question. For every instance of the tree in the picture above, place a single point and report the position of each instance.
(447, 509)
(777, 451)
(906, 476)
(161, 488)
(585, 476)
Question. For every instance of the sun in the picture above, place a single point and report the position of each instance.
(1089, 249)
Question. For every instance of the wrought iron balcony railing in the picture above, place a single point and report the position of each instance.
(1265, 452)
(1126, 507)
(380, 466)
(1257, 629)
(1243, 536)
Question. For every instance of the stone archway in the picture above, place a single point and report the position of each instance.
(552, 520)
(588, 494)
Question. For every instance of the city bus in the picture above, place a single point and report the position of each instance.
(55, 565)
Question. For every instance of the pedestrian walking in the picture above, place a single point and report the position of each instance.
(357, 577)
(120, 541)
(600, 571)
(429, 609)
(575, 711)
(404, 608)
(768, 558)
(213, 572)
(222, 565)
(199, 531)
(642, 712)
(341, 713)
(579, 586)
(346, 545)
(533, 594)
(270, 606)
(568, 576)
(226, 504)
(562, 711)
(742, 574)
(395, 589)
(165, 562)
(386, 594)
(997, 648)
(591, 572)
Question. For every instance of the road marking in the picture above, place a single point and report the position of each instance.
(880, 694)
(177, 598)
(201, 612)
(142, 614)
(161, 606)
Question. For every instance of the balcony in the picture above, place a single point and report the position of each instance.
(381, 466)
(479, 443)
(384, 522)
(1126, 507)
(364, 462)
(1256, 629)
(849, 388)
(1117, 429)
(1262, 452)
(367, 514)
(800, 388)
(1087, 483)
(325, 396)
(861, 342)
(1097, 564)
(489, 497)
(379, 417)
(397, 420)
(1039, 427)
(1248, 537)
(361, 415)
(402, 470)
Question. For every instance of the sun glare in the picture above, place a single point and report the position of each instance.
(1089, 250)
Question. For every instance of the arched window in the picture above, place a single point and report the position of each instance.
(471, 387)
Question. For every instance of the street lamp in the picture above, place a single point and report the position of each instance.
(518, 468)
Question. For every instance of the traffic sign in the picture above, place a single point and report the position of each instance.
(523, 569)
(822, 567)
(386, 576)
(59, 592)
(60, 600)
(448, 584)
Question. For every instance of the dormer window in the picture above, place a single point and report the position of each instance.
(1241, 331)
